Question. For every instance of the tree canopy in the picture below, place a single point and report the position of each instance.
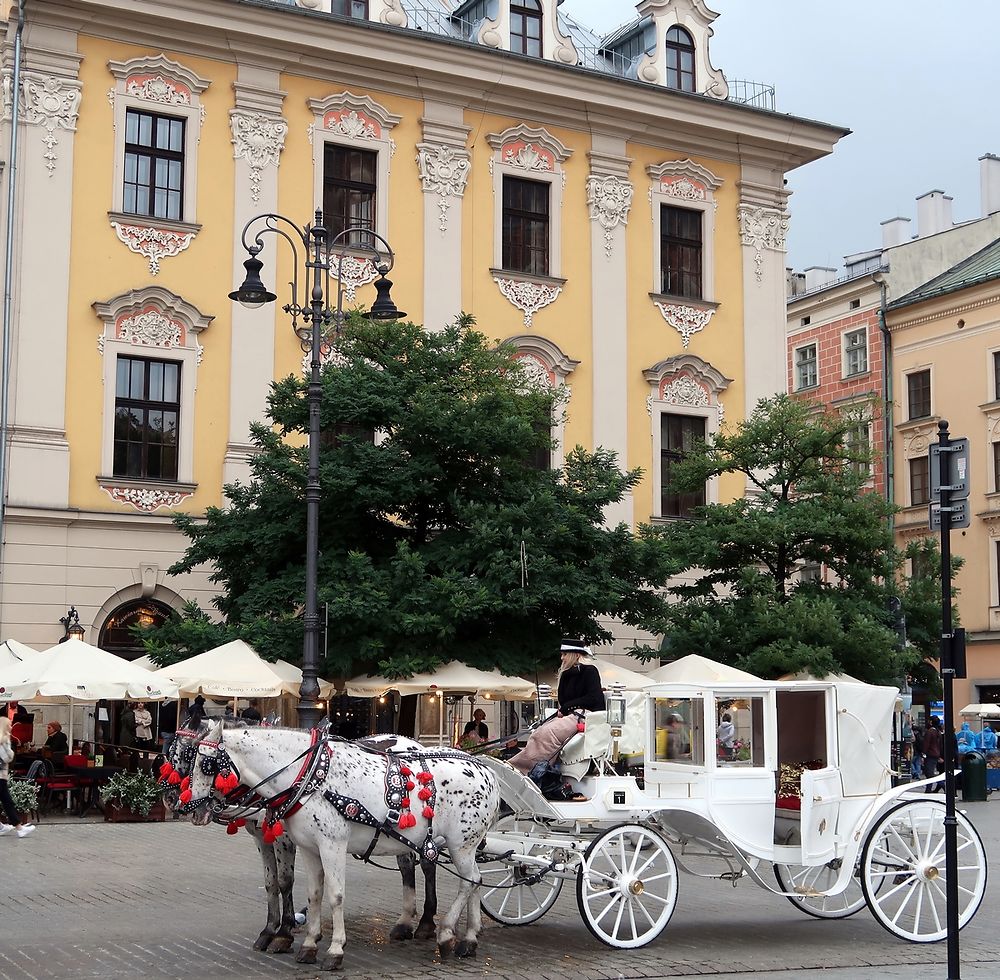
(798, 574)
(439, 538)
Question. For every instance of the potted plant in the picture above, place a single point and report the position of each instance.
(25, 796)
(132, 796)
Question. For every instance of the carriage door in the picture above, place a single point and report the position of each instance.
(822, 794)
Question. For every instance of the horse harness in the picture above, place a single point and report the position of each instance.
(400, 781)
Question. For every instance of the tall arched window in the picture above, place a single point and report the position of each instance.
(116, 634)
(526, 27)
(680, 60)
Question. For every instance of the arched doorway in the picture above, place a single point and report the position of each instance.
(116, 633)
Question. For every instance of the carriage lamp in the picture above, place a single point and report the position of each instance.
(72, 630)
(615, 705)
(545, 701)
(315, 321)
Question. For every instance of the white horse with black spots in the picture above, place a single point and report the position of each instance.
(461, 803)
(278, 856)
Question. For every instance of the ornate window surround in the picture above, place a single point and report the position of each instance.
(548, 367)
(150, 321)
(556, 46)
(684, 385)
(156, 83)
(532, 154)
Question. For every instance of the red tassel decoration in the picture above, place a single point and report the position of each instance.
(424, 794)
(425, 777)
(240, 823)
(185, 797)
(580, 726)
(410, 785)
(174, 778)
(231, 829)
(165, 770)
(403, 771)
(428, 813)
(405, 803)
(406, 821)
(277, 828)
(267, 836)
(185, 782)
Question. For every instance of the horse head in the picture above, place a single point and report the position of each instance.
(211, 766)
(178, 764)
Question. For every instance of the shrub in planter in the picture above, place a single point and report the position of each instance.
(24, 795)
(137, 793)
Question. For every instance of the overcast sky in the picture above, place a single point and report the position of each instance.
(916, 80)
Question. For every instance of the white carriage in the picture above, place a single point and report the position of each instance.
(805, 786)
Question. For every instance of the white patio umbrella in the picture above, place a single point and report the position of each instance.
(13, 653)
(81, 672)
(611, 673)
(982, 710)
(236, 670)
(698, 670)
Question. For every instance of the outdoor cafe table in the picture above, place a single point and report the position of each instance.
(91, 779)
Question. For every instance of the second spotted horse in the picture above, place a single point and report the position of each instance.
(278, 853)
(339, 798)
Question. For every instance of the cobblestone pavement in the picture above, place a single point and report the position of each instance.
(158, 901)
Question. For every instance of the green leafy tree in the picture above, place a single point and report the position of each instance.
(439, 538)
(745, 600)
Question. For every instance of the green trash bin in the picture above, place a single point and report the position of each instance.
(974, 777)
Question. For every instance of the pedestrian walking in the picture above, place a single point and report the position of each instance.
(917, 759)
(16, 824)
(932, 753)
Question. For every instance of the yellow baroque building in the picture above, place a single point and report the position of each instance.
(613, 205)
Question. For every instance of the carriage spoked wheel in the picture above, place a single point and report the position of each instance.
(627, 886)
(903, 871)
(509, 892)
(810, 882)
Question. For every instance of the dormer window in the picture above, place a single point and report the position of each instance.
(358, 9)
(526, 27)
(680, 60)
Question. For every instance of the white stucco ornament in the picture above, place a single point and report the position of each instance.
(444, 170)
(258, 139)
(762, 228)
(147, 498)
(684, 390)
(686, 320)
(151, 328)
(47, 101)
(353, 272)
(156, 88)
(528, 296)
(152, 243)
(609, 198)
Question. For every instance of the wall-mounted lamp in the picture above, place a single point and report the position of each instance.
(72, 630)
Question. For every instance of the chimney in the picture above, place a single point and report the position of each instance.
(989, 184)
(895, 231)
(818, 276)
(933, 213)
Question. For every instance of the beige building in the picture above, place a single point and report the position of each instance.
(946, 365)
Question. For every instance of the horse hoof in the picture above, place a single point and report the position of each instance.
(306, 955)
(466, 950)
(280, 944)
(425, 930)
(262, 941)
(401, 932)
(446, 948)
(332, 963)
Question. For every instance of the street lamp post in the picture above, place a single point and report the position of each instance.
(313, 306)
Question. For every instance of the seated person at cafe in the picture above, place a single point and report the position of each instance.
(57, 738)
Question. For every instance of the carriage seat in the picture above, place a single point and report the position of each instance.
(594, 743)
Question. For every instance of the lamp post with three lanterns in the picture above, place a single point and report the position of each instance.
(313, 307)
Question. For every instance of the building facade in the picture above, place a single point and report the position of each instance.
(613, 206)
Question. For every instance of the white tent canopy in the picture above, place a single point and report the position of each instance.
(453, 677)
(81, 672)
(236, 670)
(695, 669)
(982, 710)
(611, 673)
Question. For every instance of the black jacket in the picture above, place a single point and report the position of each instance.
(580, 687)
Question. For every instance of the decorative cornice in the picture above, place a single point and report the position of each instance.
(557, 365)
(609, 198)
(762, 228)
(151, 242)
(146, 74)
(49, 101)
(686, 320)
(147, 499)
(444, 170)
(527, 295)
(258, 139)
(526, 148)
(354, 116)
(684, 179)
(708, 376)
(151, 317)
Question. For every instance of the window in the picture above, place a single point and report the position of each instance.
(351, 8)
(154, 165)
(996, 467)
(920, 483)
(632, 47)
(996, 375)
(678, 434)
(739, 732)
(526, 27)
(859, 443)
(680, 60)
(147, 408)
(679, 730)
(855, 352)
(525, 242)
(349, 190)
(805, 367)
(805, 321)
(918, 394)
(854, 304)
(680, 251)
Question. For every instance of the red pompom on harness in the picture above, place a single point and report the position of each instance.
(185, 796)
(174, 778)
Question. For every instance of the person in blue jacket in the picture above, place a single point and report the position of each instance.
(966, 739)
(987, 740)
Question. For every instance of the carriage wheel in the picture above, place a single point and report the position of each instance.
(627, 886)
(508, 893)
(807, 882)
(903, 871)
